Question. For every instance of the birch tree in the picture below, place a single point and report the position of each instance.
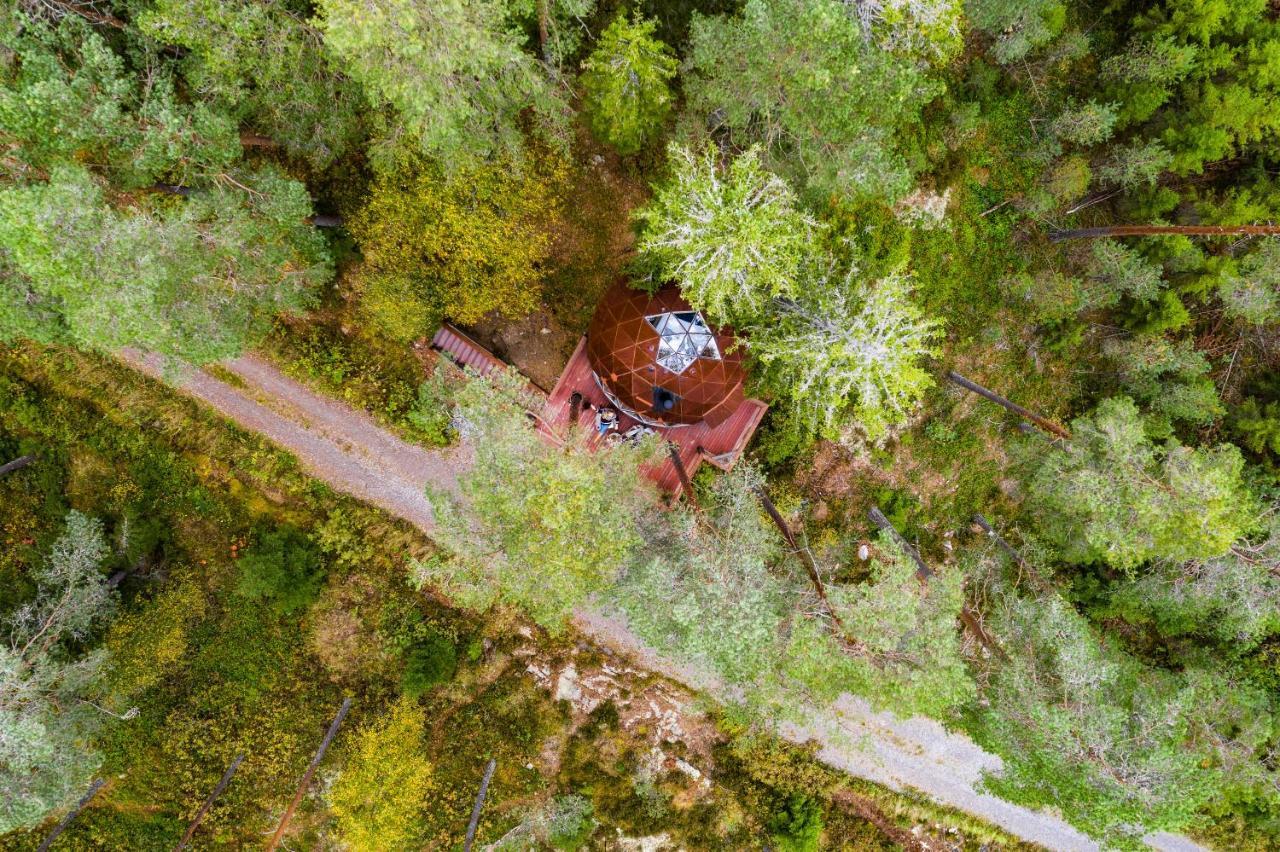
(44, 719)
(732, 238)
(540, 526)
(703, 590)
(908, 657)
(845, 347)
(717, 592)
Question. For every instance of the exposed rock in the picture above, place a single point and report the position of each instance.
(653, 843)
(567, 688)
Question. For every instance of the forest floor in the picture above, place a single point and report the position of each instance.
(348, 451)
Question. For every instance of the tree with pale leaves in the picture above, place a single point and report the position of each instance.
(703, 589)
(1252, 294)
(732, 238)
(845, 347)
(44, 717)
(1017, 27)
(927, 28)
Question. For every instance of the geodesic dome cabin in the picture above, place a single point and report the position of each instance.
(659, 361)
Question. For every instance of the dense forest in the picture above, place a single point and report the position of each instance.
(902, 207)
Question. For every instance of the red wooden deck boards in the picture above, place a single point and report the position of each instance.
(466, 351)
(720, 446)
(696, 443)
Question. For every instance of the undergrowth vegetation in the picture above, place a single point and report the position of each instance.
(875, 195)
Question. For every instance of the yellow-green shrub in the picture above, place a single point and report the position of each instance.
(457, 245)
(379, 799)
(148, 641)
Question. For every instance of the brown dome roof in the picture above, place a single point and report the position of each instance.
(659, 357)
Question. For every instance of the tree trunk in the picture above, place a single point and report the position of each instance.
(88, 12)
(867, 810)
(1043, 422)
(1058, 236)
(475, 810)
(208, 803)
(253, 140)
(17, 464)
(173, 189)
(1036, 577)
(850, 642)
(544, 14)
(877, 517)
(967, 616)
(66, 820)
(306, 776)
(685, 485)
(805, 555)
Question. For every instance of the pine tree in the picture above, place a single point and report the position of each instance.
(1110, 495)
(454, 72)
(801, 79)
(627, 81)
(1252, 295)
(197, 280)
(86, 258)
(1169, 377)
(266, 64)
(1233, 598)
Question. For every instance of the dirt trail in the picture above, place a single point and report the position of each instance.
(336, 444)
(347, 450)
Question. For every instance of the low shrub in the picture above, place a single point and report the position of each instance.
(432, 661)
(282, 568)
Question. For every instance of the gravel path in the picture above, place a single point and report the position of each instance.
(336, 444)
(350, 452)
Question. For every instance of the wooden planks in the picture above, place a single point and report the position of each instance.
(721, 445)
(466, 351)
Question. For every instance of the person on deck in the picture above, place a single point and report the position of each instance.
(606, 420)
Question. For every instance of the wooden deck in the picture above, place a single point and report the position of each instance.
(466, 351)
(720, 446)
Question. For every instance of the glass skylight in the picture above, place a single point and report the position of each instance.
(683, 337)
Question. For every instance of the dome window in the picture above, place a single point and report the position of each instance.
(683, 337)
